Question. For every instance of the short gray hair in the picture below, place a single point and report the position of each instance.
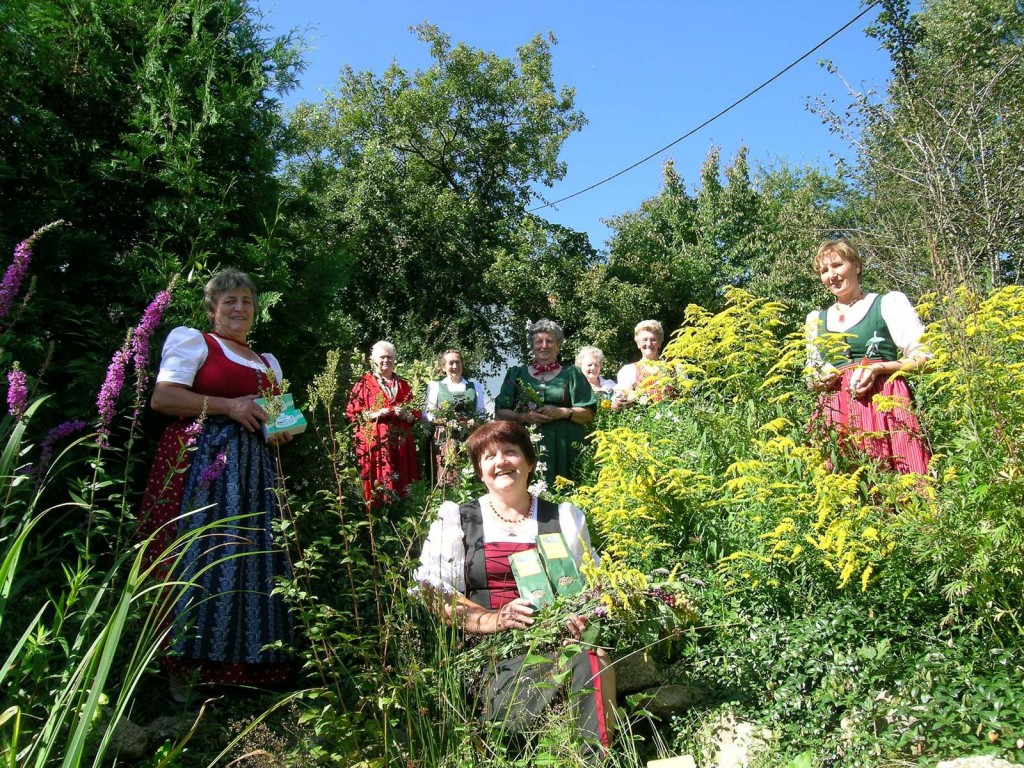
(546, 326)
(589, 352)
(383, 346)
(653, 326)
(228, 280)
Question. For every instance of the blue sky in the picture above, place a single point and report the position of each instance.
(645, 73)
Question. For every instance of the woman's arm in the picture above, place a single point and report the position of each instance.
(459, 610)
(577, 415)
(906, 330)
(180, 401)
(504, 404)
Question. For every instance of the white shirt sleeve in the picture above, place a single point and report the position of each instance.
(905, 326)
(431, 402)
(574, 528)
(183, 354)
(626, 378)
(443, 558)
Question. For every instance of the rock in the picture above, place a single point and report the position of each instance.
(636, 672)
(686, 761)
(669, 700)
(979, 761)
(166, 727)
(128, 741)
(736, 740)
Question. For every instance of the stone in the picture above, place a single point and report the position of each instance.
(128, 741)
(172, 727)
(686, 761)
(668, 700)
(737, 740)
(636, 672)
(978, 761)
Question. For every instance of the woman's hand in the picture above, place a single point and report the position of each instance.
(867, 379)
(555, 412)
(620, 400)
(280, 438)
(538, 416)
(576, 624)
(515, 615)
(246, 412)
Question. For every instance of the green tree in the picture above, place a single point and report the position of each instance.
(939, 165)
(419, 182)
(154, 128)
(755, 230)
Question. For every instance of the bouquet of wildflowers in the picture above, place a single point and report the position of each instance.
(626, 611)
(454, 421)
(527, 398)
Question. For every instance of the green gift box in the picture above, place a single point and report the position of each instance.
(290, 419)
(558, 562)
(530, 578)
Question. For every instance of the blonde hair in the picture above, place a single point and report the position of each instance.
(589, 352)
(653, 326)
(842, 248)
(440, 360)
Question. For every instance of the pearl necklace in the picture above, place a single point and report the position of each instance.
(511, 526)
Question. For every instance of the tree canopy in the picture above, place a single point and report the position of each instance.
(419, 182)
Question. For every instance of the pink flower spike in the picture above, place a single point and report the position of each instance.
(212, 472)
(17, 391)
(15, 274)
(60, 432)
(148, 324)
(106, 403)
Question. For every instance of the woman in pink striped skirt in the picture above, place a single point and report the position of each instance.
(880, 336)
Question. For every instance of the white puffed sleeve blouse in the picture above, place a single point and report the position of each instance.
(443, 559)
(185, 352)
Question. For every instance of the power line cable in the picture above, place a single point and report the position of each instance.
(711, 119)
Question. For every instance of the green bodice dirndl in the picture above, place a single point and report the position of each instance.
(462, 403)
(870, 338)
(561, 438)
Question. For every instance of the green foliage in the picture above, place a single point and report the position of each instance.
(153, 128)
(419, 181)
(939, 157)
(739, 229)
(843, 604)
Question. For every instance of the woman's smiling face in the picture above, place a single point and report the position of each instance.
(504, 468)
(452, 365)
(841, 277)
(648, 344)
(545, 348)
(233, 314)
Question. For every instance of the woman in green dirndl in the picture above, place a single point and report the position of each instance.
(556, 398)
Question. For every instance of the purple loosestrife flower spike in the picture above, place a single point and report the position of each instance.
(60, 432)
(149, 322)
(106, 403)
(212, 472)
(15, 274)
(192, 432)
(17, 391)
